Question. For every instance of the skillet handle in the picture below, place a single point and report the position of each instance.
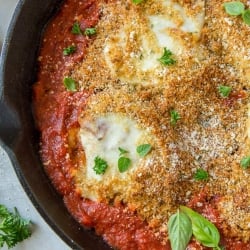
(9, 124)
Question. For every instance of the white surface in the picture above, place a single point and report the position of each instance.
(11, 192)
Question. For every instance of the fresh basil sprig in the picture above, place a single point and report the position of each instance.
(180, 230)
(203, 230)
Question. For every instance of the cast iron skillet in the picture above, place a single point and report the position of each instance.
(18, 135)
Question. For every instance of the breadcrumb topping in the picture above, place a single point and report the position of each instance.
(212, 132)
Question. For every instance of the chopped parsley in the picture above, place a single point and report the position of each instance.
(143, 149)
(245, 162)
(90, 31)
(224, 91)
(174, 117)
(100, 165)
(123, 164)
(69, 50)
(69, 84)
(76, 29)
(167, 58)
(13, 228)
(201, 175)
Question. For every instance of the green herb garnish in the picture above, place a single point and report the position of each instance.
(76, 29)
(123, 164)
(137, 1)
(166, 58)
(234, 8)
(69, 50)
(203, 230)
(100, 165)
(13, 228)
(90, 31)
(69, 84)
(123, 151)
(245, 162)
(201, 175)
(246, 17)
(237, 8)
(174, 117)
(143, 149)
(179, 230)
(224, 91)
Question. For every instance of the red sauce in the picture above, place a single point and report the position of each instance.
(57, 111)
(207, 207)
(119, 226)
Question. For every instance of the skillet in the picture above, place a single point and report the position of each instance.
(18, 135)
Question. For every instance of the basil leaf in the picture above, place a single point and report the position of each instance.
(179, 230)
(123, 151)
(246, 17)
(137, 1)
(69, 84)
(234, 8)
(203, 230)
(100, 165)
(245, 162)
(123, 164)
(143, 149)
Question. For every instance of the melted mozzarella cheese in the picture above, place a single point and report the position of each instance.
(175, 18)
(132, 52)
(102, 136)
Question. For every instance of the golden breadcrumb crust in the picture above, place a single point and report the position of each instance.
(213, 131)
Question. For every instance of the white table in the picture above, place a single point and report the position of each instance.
(11, 192)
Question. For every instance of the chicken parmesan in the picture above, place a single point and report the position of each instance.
(143, 110)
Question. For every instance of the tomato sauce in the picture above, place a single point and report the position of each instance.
(208, 210)
(57, 111)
